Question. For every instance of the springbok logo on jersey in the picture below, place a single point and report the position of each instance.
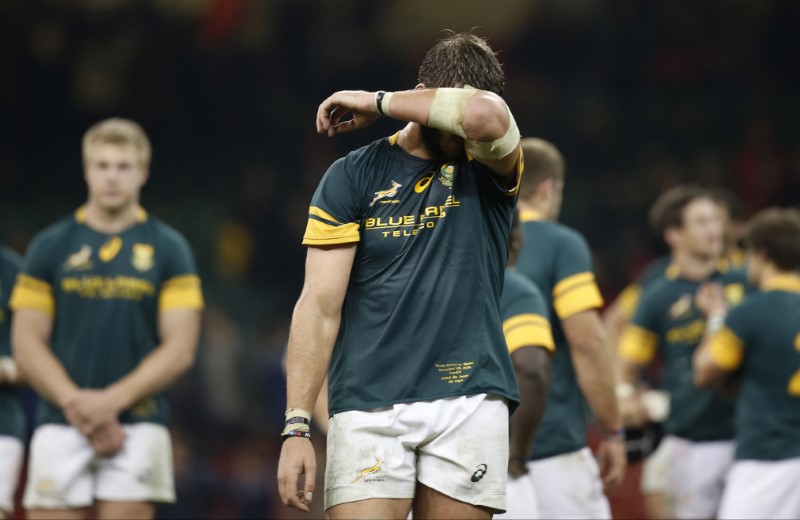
(142, 258)
(681, 307)
(372, 470)
(385, 194)
(82, 260)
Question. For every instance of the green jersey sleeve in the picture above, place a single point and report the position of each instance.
(640, 338)
(181, 287)
(526, 321)
(34, 285)
(726, 347)
(575, 289)
(334, 216)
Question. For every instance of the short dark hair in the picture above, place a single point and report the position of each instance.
(776, 232)
(542, 161)
(667, 210)
(462, 59)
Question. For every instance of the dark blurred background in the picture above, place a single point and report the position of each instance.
(638, 95)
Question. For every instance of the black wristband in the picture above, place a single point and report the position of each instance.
(297, 419)
(296, 433)
(379, 101)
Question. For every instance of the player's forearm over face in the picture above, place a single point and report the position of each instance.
(593, 359)
(179, 330)
(30, 337)
(532, 367)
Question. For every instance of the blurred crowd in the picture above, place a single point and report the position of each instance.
(639, 96)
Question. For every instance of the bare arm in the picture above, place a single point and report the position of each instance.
(532, 366)
(315, 325)
(593, 359)
(614, 320)
(30, 338)
(485, 118)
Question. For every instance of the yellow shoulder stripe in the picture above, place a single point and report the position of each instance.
(319, 212)
(181, 292)
(638, 344)
(628, 300)
(525, 330)
(726, 349)
(576, 293)
(33, 293)
(321, 234)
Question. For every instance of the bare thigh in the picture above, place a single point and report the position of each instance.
(377, 508)
(429, 503)
(107, 510)
(58, 514)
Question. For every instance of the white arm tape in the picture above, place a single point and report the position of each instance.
(498, 148)
(447, 109)
(9, 368)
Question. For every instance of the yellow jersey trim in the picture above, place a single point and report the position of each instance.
(181, 292)
(321, 234)
(529, 215)
(628, 300)
(726, 349)
(319, 212)
(784, 282)
(524, 330)
(33, 293)
(575, 294)
(393, 138)
(80, 215)
(638, 344)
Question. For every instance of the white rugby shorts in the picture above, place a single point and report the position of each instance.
(655, 471)
(696, 475)
(521, 503)
(762, 489)
(64, 472)
(457, 446)
(11, 453)
(568, 486)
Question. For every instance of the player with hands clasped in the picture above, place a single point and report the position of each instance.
(407, 244)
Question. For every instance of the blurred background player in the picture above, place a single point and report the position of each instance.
(12, 417)
(557, 259)
(759, 341)
(408, 240)
(699, 445)
(529, 337)
(106, 316)
(645, 415)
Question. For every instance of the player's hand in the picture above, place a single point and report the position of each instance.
(710, 299)
(108, 439)
(613, 461)
(357, 102)
(88, 409)
(297, 458)
(632, 410)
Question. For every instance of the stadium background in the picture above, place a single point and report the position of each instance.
(638, 95)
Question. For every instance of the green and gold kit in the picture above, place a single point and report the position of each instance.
(105, 293)
(557, 259)
(421, 316)
(12, 418)
(761, 342)
(667, 321)
(524, 313)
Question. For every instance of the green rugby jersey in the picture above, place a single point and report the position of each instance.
(12, 418)
(557, 259)
(104, 292)
(524, 313)
(421, 317)
(761, 341)
(668, 321)
(629, 297)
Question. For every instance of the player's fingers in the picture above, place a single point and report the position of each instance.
(344, 127)
(310, 478)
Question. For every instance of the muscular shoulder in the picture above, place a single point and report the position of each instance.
(166, 234)
(658, 293)
(653, 270)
